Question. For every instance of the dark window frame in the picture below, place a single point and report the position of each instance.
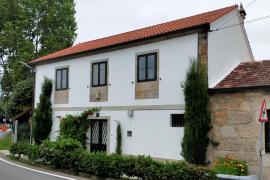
(146, 79)
(61, 79)
(179, 124)
(92, 74)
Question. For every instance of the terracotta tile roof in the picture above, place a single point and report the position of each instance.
(247, 74)
(140, 34)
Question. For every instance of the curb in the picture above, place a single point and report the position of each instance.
(4, 152)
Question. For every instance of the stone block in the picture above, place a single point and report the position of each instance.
(236, 117)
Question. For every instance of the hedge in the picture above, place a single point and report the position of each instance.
(68, 154)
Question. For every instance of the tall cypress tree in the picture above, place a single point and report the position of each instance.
(197, 115)
(42, 120)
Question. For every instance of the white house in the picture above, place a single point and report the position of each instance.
(135, 77)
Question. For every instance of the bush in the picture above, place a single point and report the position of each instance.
(57, 153)
(231, 166)
(68, 154)
(19, 149)
(31, 151)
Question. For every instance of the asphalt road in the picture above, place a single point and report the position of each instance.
(16, 171)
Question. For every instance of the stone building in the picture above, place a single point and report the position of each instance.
(235, 105)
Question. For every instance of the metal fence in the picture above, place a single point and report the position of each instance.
(23, 133)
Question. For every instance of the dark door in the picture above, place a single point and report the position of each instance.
(267, 133)
(98, 135)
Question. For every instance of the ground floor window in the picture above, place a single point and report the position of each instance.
(177, 120)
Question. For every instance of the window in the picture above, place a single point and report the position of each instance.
(129, 133)
(267, 134)
(99, 74)
(147, 67)
(62, 79)
(177, 120)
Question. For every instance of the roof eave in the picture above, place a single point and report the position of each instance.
(236, 89)
(183, 32)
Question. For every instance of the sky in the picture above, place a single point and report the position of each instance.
(101, 18)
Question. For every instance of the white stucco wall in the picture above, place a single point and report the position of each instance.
(226, 47)
(174, 57)
(151, 132)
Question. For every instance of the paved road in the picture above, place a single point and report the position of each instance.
(21, 172)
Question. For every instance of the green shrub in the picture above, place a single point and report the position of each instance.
(57, 153)
(231, 166)
(33, 153)
(19, 149)
(68, 154)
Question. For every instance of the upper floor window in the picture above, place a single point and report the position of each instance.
(62, 79)
(99, 74)
(147, 67)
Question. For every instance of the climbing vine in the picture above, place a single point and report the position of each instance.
(76, 126)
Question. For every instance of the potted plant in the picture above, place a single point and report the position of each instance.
(230, 168)
(92, 111)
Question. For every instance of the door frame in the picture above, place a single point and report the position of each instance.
(108, 118)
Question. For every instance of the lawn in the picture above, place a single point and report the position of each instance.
(5, 142)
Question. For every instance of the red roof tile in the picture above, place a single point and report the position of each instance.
(152, 31)
(247, 74)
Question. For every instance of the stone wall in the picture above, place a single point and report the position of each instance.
(236, 127)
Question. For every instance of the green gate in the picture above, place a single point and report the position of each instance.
(23, 133)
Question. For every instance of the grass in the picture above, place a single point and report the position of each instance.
(5, 142)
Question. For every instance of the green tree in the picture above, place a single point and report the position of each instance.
(42, 120)
(197, 115)
(29, 29)
(21, 97)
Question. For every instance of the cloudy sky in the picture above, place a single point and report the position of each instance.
(101, 18)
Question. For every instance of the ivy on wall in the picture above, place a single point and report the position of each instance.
(76, 126)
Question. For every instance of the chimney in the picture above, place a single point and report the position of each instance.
(242, 11)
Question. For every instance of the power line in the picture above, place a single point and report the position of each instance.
(249, 4)
(250, 21)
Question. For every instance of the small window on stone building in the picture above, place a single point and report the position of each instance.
(177, 120)
(267, 133)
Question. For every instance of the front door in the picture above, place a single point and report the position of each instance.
(98, 135)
